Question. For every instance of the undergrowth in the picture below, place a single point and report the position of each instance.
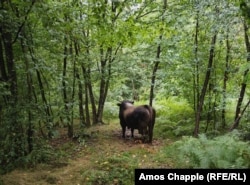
(226, 151)
(175, 118)
(109, 160)
(116, 169)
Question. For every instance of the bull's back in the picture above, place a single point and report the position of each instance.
(138, 117)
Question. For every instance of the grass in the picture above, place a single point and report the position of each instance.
(104, 158)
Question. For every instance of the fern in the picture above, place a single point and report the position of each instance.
(226, 151)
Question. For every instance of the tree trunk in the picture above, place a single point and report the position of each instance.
(68, 101)
(13, 128)
(151, 96)
(71, 122)
(205, 85)
(80, 90)
(101, 92)
(89, 95)
(241, 114)
(103, 82)
(225, 79)
(196, 76)
(3, 72)
(29, 97)
(157, 62)
(244, 83)
(65, 95)
(12, 78)
(3, 67)
(47, 107)
(45, 104)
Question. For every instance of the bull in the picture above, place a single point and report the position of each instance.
(140, 117)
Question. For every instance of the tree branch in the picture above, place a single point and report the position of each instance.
(25, 19)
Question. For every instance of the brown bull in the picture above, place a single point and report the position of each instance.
(137, 117)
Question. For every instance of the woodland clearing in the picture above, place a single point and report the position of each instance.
(104, 157)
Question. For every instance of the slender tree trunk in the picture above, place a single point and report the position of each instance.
(10, 66)
(68, 101)
(101, 92)
(196, 76)
(244, 83)
(86, 71)
(225, 79)
(80, 89)
(64, 86)
(29, 98)
(3, 71)
(3, 67)
(151, 96)
(47, 107)
(71, 122)
(87, 112)
(31, 95)
(89, 95)
(209, 106)
(157, 62)
(12, 78)
(242, 112)
(103, 82)
(45, 104)
(205, 85)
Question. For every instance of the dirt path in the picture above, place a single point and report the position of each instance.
(103, 149)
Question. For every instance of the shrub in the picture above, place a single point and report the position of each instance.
(111, 111)
(175, 117)
(174, 109)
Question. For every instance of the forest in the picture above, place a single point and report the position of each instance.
(65, 64)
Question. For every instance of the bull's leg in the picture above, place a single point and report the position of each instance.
(150, 135)
(145, 135)
(132, 132)
(123, 131)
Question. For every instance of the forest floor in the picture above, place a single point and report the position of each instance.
(103, 158)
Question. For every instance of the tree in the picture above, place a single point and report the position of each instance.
(238, 112)
(158, 52)
(205, 85)
(12, 22)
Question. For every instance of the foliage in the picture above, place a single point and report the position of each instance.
(13, 145)
(226, 151)
(174, 117)
(111, 111)
(42, 153)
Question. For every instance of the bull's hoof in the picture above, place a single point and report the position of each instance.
(138, 141)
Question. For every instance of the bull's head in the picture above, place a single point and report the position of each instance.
(124, 104)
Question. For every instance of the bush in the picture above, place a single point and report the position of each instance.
(175, 117)
(111, 111)
(174, 109)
